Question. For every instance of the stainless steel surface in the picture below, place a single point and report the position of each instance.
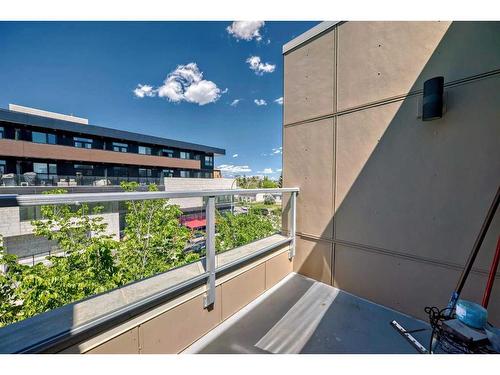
(293, 224)
(9, 200)
(209, 299)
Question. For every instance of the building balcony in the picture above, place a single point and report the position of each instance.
(257, 265)
(63, 181)
(388, 211)
(245, 300)
(24, 149)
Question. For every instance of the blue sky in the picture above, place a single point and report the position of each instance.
(95, 70)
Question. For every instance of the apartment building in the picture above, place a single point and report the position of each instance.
(40, 148)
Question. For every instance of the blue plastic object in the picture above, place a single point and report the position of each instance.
(471, 313)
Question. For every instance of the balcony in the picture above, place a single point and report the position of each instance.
(245, 300)
(52, 180)
(198, 288)
(388, 211)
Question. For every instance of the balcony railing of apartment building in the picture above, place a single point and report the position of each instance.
(11, 180)
(36, 179)
(67, 327)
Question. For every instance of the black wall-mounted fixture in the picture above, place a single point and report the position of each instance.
(432, 104)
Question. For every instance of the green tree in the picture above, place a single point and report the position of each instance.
(91, 261)
(84, 268)
(153, 239)
(237, 230)
(268, 184)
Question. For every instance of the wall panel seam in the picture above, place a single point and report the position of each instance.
(394, 99)
(395, 254)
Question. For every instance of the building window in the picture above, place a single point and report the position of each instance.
(2, 132)
(46, 172)
(3, 166)
(144, 172)
(167, 152)
(209, 161)
(45, 168)
(185, 174)
(185, 155)
(82, 142)
(120, 171)
(120, 147)
(38, 137)
(144, 150)
(168, 173)
(84, 169)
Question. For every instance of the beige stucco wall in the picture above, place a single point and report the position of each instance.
(390, 206)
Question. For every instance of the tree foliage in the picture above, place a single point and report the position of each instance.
(237, 230)
(153, 239)
(91, 261)
(84, 268)
(256, 182)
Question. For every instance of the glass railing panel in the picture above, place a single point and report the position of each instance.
(65, 253)
(116, 251)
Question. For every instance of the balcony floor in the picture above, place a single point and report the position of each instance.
(300, 315)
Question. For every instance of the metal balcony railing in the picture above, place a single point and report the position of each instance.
(208, 277)
(52, 180)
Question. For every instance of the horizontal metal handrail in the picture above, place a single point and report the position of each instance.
(13, 200)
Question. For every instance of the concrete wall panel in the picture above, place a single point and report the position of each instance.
(308, 163)
(378, 60)
(404, 284)
(242, 289)
(309, 80)
(415, 187)
(313, 259)
(126, 343)
(177, 328)
(277, 268)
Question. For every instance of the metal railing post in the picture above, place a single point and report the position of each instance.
(293, 223)
(209, 299)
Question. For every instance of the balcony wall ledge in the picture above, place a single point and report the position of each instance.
(27, 335)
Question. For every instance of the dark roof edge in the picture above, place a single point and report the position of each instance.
(56, 124)
(310, 34)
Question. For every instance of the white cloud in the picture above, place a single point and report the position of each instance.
(235, 155)
(230, 168)
(278, 150)
(260, 102)
(235, 102)
(259, 67)
(246, 30)
(279, 100)
(266, 171)
(279, 170)
(144, 90)
(185, 83)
